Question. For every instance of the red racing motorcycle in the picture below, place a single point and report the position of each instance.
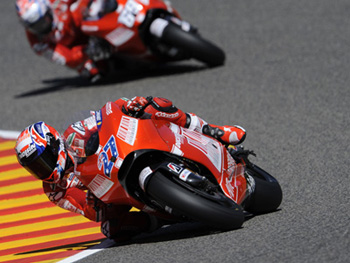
(149, 29)
(173, 173)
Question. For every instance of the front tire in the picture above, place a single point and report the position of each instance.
(267, 195)
(218, 212)
(191, 43)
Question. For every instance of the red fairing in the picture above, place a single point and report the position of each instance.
(121, 28)
(117, 135)
(76, 21)
(121, 134)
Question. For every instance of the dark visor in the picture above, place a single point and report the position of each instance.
(42, 26)
(43, 166)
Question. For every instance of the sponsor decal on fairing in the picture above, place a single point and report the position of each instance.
(98, 117)
(179, 139)
(109, 108)
(144, 2)
(128, 129)
(210, 147)
(90, 122)
(229, 178)
(184, 175)
(120, 36)
(78, 127)
(167, 115)
(231, 165)
(100, 185)
(118, 162)
(175, 168)
(70, 139)
(232, 188)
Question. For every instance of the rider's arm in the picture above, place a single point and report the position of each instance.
(162, 109)
(155, 108)
(74, 57)
(80, 136)
(71, 57)
(72, 199)
(78, 10)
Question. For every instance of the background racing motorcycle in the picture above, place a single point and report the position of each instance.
(172, 172)
(150, 30)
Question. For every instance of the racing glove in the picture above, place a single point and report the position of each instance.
(96, 204)
(98, 49)
(136, 104)
(70, 181)
(90, 71)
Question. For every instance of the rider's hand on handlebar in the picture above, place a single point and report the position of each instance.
(136, 104)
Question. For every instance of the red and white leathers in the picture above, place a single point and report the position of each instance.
(119, 222)
(65, 44)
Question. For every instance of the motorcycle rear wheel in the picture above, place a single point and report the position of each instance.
(211, 211)
(197, 47)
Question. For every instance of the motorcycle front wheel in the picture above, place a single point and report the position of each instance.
(192, 44)
(267, 195)
(215, 210)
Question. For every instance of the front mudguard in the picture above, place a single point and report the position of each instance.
(133, 165)
(139, 161)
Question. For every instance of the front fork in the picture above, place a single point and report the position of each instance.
(158, 25)
(180, 172)
(241, 156)
(156, 21)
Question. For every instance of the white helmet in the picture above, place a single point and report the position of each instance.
(35, 15)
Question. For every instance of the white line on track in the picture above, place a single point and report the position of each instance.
(88, 252)
(11, 135)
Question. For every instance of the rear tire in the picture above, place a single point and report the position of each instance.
(221, 213)
(197, 47)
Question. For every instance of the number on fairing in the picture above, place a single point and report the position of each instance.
(128, 15)
(103, 159)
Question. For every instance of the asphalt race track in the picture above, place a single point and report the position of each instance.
(286, 80)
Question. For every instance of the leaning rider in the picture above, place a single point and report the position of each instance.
(54, 31)
(42, 151)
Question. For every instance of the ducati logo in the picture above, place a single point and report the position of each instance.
(174, 167)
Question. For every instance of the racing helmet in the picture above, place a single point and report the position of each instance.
(35, 15)
(37, 149)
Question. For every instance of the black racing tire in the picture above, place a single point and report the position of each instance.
(197, 47)
(267, 195)
(225, 215)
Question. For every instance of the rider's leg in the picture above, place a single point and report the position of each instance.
(227, 134)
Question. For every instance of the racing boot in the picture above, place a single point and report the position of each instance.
(227, 134)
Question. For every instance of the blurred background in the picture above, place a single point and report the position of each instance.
(285, 80)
